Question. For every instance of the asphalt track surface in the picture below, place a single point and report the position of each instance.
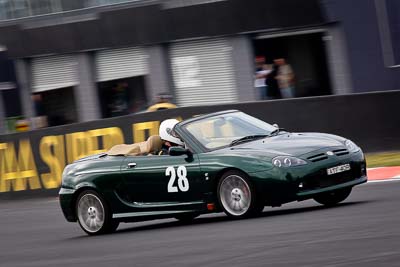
(363, 231)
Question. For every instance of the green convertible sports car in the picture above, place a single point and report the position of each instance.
(230, 162)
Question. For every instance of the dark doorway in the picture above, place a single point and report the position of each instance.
(122, 96)
(57, 105)
(306, 55)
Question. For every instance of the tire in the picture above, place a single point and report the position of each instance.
(93, 213)
(334, 197)
(187, 217)
(237, 196)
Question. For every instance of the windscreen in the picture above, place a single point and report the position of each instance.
(219, 131)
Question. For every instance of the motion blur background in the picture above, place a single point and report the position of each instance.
(74, 63)
(67, 61)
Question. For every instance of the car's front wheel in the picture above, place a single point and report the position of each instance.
(237, 196)
(334, 197)
(94, 216)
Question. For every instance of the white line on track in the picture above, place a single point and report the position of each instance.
(385, 180)
(370, 169)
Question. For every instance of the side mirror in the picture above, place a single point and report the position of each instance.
(178, 151)
(275, 125)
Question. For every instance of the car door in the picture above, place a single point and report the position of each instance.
(160, 181)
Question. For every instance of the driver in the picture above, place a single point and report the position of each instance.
(167, 136)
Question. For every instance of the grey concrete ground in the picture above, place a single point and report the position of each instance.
(363, 231)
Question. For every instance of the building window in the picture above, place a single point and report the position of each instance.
(21, 8)
(290, 66)
(94, 3)
(122, 96)
(12, 9)
(57, 106)
(41, 7)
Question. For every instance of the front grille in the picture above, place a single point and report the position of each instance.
(323, 156)
(326, 181)
(321, 179)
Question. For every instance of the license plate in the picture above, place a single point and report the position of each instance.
(337, 169)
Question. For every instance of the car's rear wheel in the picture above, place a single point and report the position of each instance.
(93, 213)
(236, 195)
(334, 197)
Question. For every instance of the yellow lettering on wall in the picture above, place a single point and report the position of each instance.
(81, 144)
(52, 152)
(16, 173)
(77, 146)
(140, 128)
(110, 137)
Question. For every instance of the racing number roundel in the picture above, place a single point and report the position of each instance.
(183, 182)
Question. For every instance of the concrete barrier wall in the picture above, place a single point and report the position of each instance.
(33, 162)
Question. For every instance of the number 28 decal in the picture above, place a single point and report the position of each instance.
(183, 182)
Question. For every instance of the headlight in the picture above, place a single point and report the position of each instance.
(351, 146)
(287, 161)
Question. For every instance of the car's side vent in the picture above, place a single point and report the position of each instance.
(318, 157)
(341, 152)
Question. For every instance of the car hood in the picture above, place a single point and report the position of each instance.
(294, 144)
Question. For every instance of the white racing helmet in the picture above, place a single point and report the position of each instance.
(166, 131)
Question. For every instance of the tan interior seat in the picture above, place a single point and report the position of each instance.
(151, 146)
(124, 149)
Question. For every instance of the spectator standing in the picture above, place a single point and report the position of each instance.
(260, 77)
(272, 83)
(41, 120)
(119, 104)
(285, 78)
